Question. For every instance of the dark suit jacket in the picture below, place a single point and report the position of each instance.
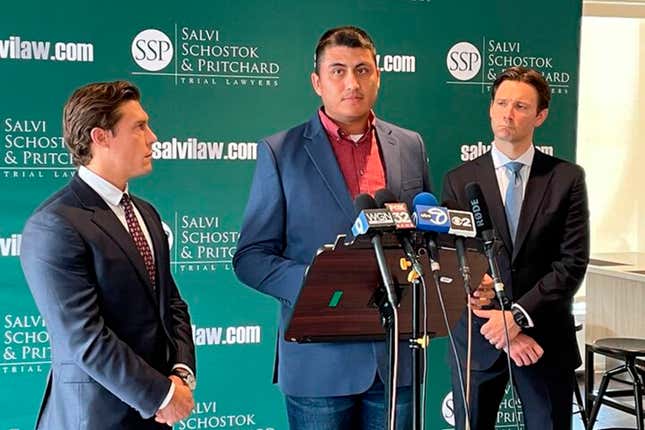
(544, 269)
(298, 202)
(114, 339)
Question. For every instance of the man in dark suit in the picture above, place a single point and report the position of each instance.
(97, 263)
(300, 199)
(538, 206)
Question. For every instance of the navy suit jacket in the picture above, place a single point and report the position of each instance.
(298, 202)
(544, 269)
(113, 337)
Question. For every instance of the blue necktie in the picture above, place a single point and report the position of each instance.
(513, 197)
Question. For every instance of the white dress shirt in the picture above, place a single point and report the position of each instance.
(503, 175)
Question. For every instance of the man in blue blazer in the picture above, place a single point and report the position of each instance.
(538, 206)
(301, 198)
(97, 263)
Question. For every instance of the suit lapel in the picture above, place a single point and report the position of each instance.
(487, 180)
(391, 152)
(535, 191)
(107, 221)
(322, 156)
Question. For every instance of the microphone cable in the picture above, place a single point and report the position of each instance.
(508, 360)
(394, 363)
(426, 346)
(469, 351)
(452, 345)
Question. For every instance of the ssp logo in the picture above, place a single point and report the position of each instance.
(152, 50)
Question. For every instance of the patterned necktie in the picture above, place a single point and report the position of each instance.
(513, 196)
(138, 237)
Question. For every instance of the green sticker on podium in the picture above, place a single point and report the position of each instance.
(335, 298)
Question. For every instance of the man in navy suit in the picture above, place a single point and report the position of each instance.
(301, 198)
(97, 263)
(538, 206)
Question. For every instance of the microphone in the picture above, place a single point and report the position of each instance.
(429, 216)
(479, 208)
(370, 217)
(373, 222)
(462, 225)
(403, 224)
(425, 198)
(364, 201)
(430, 219)
(486, 232)
(462, 222)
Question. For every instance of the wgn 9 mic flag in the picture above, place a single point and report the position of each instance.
(370, 218)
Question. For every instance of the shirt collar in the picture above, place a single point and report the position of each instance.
(334, 130)
(103, 188)
(500, 159)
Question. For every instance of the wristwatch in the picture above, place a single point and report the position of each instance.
(185, 376)
(520, 317)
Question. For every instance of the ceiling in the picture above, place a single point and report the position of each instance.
(614, 8)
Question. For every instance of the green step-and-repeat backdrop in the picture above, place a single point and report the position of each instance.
(216, 76)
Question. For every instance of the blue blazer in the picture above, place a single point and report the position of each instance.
(298, 202)
(113, 337)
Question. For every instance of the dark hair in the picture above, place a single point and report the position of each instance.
(352, 37)
(93, 105)
(528, 76)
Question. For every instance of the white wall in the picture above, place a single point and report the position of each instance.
(611, 130)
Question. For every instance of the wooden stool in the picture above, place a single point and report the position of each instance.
(581, 406)
(628, 351)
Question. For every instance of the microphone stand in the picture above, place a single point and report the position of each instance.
(387, 305)
(504, 304)
(464, 270)
(494, 269)
(417, 343)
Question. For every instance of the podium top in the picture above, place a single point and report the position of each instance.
(336, 302)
